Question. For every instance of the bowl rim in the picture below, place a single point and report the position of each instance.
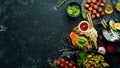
(70, 3)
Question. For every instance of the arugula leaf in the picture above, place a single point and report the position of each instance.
(84, 10)
(84, 13)
(83, 55)
(117, 20)
(52, 65)
(112, 28)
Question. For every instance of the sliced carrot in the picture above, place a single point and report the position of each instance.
(73, 37)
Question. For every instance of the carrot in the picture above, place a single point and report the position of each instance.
(73, 37)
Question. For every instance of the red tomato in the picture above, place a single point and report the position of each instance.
(70, 64)
(62, 65)
(62, 60)
(67, 62)
(74, 66)
(66, 67)
(58, 63)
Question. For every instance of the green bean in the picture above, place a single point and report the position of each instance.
(59, 4)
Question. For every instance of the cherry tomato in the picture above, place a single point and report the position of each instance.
(66, 67)
(62, 65)
(74, 66)
(70, 64)
(58, 63)
(67, 62)
(62, 60)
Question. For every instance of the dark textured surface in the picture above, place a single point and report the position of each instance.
(32, 32)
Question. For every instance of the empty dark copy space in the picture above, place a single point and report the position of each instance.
(32, 31)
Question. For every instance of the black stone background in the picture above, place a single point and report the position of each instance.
(34, 32)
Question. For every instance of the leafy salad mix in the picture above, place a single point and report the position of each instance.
(91, 60)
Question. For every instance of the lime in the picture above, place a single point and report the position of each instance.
(117, 6)
(108, 9)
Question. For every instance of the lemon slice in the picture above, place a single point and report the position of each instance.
(117, 6)
(117, 26)
(109, 9)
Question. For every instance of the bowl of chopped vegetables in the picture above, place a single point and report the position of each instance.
(92, 59)
(81, 42)
(73, 9)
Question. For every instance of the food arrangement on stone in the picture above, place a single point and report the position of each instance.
(87, 50)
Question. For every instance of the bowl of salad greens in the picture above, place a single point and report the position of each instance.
(73, 9)
(92, 59)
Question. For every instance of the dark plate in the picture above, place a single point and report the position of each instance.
(111, 35)
(97, 53)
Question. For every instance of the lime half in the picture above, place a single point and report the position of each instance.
(117, 6)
